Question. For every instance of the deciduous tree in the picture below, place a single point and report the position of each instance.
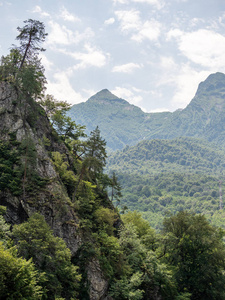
(197, 252)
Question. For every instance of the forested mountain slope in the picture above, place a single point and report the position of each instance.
(120, 123)
(161, 176)
(124, 124)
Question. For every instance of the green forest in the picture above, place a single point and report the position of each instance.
(167, 176)
(65, 232)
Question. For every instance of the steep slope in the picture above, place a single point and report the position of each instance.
(120, 123)
(33, 180)
(203, 117)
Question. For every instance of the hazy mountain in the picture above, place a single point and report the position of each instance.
(204, 117)
(124, 124)
(120, 122)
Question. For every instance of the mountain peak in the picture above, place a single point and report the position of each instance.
(213, 83)
(104, 94)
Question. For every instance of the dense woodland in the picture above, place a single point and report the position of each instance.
(183, 259)
(166, 176)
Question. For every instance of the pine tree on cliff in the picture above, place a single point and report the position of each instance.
(30, 37)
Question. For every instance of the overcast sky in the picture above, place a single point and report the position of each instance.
(153, 53)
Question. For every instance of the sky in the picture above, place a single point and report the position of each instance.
(152, 53)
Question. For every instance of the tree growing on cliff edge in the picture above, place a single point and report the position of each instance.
(30, 37)
(22, 67)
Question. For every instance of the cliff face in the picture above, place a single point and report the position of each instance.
(22, 121)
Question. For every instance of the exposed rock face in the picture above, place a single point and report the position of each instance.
(18, 117)
(25, 119)
(96, 279)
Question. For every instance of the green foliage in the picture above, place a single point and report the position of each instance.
(9, 65)
(155, 278)
(31, 181)
(65, 127)
(56, 110)
(22, 67)
(52, 106)
(105, 219)
(31, 79)
(110, 254)
(115, 188)
(155, 182)
(30, 37)
(35, 240)
(142, 226)
(18, 277)
(197, 252)
(11, 174)
(67, 175)
(5, 233)
(96, 153)
(128, 288)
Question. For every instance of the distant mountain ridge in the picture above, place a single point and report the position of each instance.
(203, 117)
(120, 122)
(124, 124)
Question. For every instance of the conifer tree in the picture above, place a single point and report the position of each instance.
(30, 37)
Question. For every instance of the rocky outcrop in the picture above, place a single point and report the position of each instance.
(97, 281)
(23, 118)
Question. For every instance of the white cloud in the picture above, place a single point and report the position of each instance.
(221, 20)
(120, 1)
(157, 110)
(183, 78)
(91, 57)
(127, 94)
(46, 62)
(68, 16)
(60, 34)
(157, 3)
(148, 30)
(174, 33)
(203, 47)
(89, 92)
(109, 21)
(131, 23)
(167, 63)
(129, 19)
(61, 89)
(126, 68)
(187, 82)
(37, 9)
(196, 22)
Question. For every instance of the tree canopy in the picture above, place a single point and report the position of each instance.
(30, 36)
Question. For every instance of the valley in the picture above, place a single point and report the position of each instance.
(165, 162)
